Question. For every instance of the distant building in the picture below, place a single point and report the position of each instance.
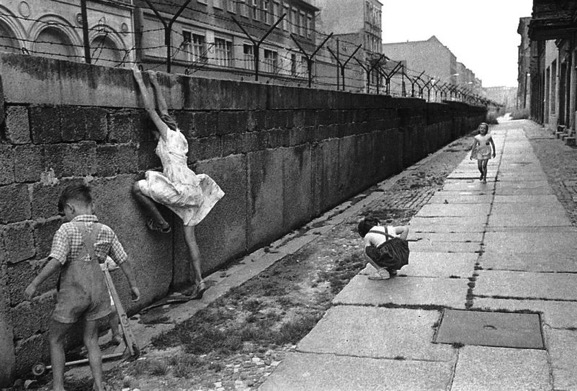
(505, 96)
(194, 36)
(54, 29)
(222, 38)
(524, 65)
(438, 72)
(354, 24)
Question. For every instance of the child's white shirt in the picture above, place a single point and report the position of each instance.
(375, 238)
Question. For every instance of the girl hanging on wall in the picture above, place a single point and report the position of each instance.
(190, 196)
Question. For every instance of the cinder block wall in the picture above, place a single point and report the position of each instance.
(283, 155)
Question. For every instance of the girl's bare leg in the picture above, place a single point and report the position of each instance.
(480, 167)
(485, 170)
(194, 251)
(150, 207)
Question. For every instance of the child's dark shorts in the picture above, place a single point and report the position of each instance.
(72, 306)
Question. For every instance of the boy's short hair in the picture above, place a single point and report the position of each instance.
(77, 192)
(366, 224)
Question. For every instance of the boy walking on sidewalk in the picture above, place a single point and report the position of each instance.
(78, 247)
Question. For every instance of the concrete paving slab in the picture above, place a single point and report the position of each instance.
(468, 185)
(449, 247)
(457, 210)
(415, 291)
(507, 284)
(546, 260)
(535, 208)
(523, 198)
(527, 220)
(508, 175)
(451, 197)
(484, 328)
(482, 368)
(327, 372)
(476, 237)
(439, 265)
(531, 242)
(377, 333)
(446, 224)
(563, 357)
(517, 191)
(506, 185)
(555, 314)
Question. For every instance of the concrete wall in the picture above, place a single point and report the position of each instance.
(283, 155)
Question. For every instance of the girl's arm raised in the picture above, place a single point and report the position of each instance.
(149, 104)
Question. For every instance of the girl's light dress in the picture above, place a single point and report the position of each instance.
(191, 196)
(483, 149)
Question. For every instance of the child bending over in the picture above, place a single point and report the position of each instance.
(78, 247)
(375, 236)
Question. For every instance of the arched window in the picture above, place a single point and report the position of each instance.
(8, 41)
(54, 43)
(105, 52)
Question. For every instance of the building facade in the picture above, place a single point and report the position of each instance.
(351, 59)
(56, 29)
(553, 74)
(238, 39)
(524, 65)
(230, 39)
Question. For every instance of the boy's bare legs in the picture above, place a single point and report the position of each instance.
(150, 207)
(56, 338)
(114, 326)
(194, 251)
(94, 355)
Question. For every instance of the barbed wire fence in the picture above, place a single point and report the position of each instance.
(374, 73)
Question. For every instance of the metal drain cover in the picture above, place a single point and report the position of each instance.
(503, 329)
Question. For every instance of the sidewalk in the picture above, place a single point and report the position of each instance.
(488, 301)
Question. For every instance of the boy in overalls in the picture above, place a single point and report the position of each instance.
(77, 248)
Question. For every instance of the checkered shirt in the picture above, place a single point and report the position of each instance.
(67, 242)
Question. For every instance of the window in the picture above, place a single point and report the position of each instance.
(309, 27)
(248, 51)
(194, 46)
(295, 22)
(217, 4)
(553, 86)
(293, 64)
(287, 19)
(275, 12)
(243, 7)
(223, 52)
(304, 66)
(231, 6)
(255, 10)
(266, 17)
(270, 61)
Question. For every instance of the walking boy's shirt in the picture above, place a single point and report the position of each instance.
(80, 245)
